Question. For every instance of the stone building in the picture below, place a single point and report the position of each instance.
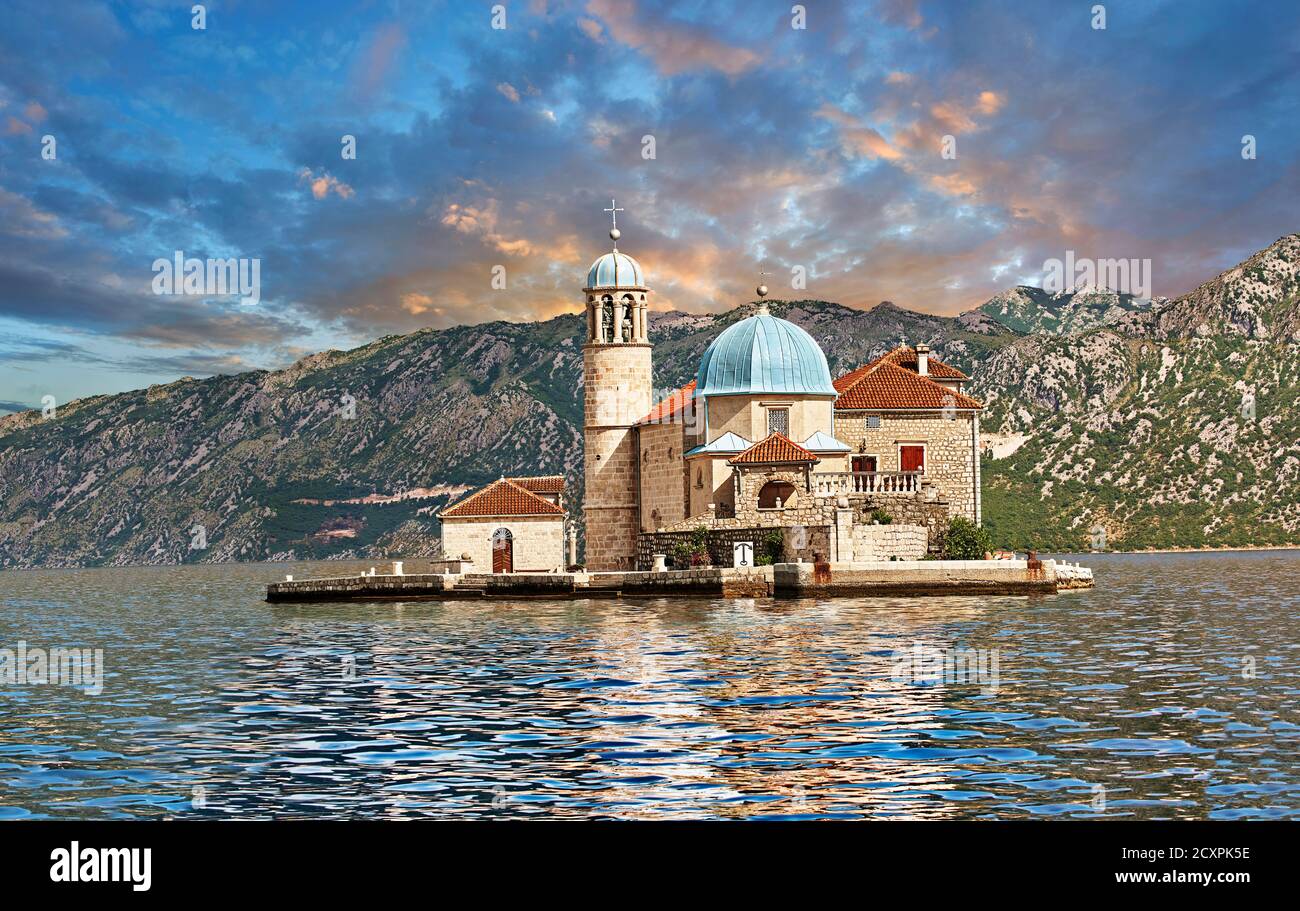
(511, 525)
(764, 439)
(763, 442)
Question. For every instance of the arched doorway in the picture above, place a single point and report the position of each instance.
(775, 492)
(503, 551)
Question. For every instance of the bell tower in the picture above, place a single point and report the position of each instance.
(616, 394)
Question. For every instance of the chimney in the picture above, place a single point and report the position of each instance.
(923, 360)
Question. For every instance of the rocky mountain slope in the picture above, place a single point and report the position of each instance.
(1134, 424)
(1030, 310)
(1170, 427)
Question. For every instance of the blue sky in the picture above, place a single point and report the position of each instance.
(479, 147)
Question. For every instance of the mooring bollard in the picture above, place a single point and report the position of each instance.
(660, 566)
(397, 567)
(288, 578)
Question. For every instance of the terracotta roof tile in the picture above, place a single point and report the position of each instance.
(671, 406)
(904, 356)
(502, 498)
(888, 386)
(776, 448)
(551, 483)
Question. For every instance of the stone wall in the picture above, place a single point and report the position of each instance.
(538, 540)
(951, 464)
(907, 510)
(801, 509)
(801, 542)
(889, 542)
(663, 475)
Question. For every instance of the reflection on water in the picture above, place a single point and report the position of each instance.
(1168, 691)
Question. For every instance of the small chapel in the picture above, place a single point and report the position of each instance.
(763, 442)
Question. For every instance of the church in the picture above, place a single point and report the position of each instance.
(762, 445)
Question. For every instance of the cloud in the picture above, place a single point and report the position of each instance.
(674, 47)
(509, 91)
(378, 58)
(321, 186)
(859, 139)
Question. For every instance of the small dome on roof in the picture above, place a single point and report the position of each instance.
(763, 354)
(615, 270)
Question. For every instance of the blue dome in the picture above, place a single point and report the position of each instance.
(764, 354)
(615, 270)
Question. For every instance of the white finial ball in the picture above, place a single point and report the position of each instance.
(762, 290)
(615, 233)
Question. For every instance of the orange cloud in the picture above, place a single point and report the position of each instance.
(673, 48)
(857, 139)
(322, 186)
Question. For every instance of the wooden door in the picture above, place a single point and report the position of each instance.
(911, 458)
(864, 464)
(503, 551)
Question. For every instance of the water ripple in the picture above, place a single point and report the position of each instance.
(1167, 692)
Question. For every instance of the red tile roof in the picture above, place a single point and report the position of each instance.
(502, 498)
(671, 406)
(776, 448)
(887, 386)
(903, 356)
(550, 483)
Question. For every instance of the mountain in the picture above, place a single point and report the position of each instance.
(1169, 427)
(1135, 424)
(349, 454)
(1031, 310)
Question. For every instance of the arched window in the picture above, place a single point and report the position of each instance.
(775, 494)
(607, 318)
(629, 302)
(503, 551)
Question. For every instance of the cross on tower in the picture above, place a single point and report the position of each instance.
(613, 210)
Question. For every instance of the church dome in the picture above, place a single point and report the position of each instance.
(763, 354)
(615, 270)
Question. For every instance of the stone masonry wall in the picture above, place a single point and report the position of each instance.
(802, 542)
(932, 516)
(950, 466)
(538, 540)
(663, 475)
(889, 542)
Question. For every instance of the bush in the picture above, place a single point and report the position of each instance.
(771, 547)
(694, 551)
(881, 516)
(966, 541)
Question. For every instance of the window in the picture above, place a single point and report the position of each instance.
(778, 421)
(699, 478)
(776, 494)
(873, 422)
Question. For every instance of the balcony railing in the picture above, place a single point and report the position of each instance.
(834, 483)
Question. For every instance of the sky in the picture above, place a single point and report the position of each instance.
(928, 153)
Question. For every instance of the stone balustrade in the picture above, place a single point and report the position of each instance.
(837, 483)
